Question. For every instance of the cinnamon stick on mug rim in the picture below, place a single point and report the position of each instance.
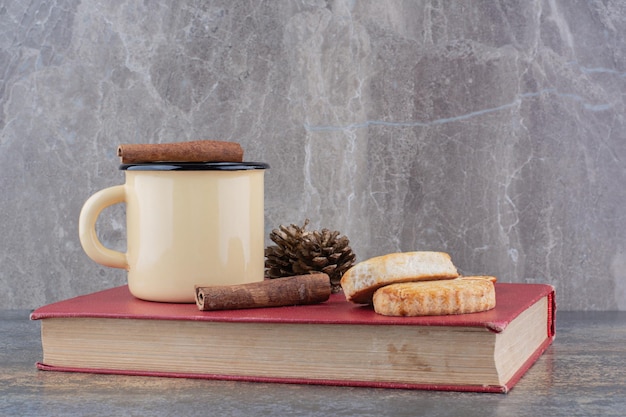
(192, 151)
(277, 292)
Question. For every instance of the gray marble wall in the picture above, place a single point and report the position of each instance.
(493, 130)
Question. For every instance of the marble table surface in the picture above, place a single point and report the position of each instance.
(582, 374)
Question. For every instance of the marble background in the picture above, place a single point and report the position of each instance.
(493, 130)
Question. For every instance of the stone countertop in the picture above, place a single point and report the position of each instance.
(582, 374)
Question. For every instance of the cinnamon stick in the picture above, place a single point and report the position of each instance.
(296, 290)
(194, 151)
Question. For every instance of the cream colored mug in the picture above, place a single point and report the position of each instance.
(187, 224)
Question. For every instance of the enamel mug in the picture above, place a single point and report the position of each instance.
(187, 224)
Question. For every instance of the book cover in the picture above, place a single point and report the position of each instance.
(118, 303)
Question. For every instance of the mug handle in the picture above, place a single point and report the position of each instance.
(87, 227)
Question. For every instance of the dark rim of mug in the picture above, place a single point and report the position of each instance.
(194, 166)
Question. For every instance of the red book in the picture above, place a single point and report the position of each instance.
(331, 343)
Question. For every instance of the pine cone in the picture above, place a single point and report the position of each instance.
(299, 251)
